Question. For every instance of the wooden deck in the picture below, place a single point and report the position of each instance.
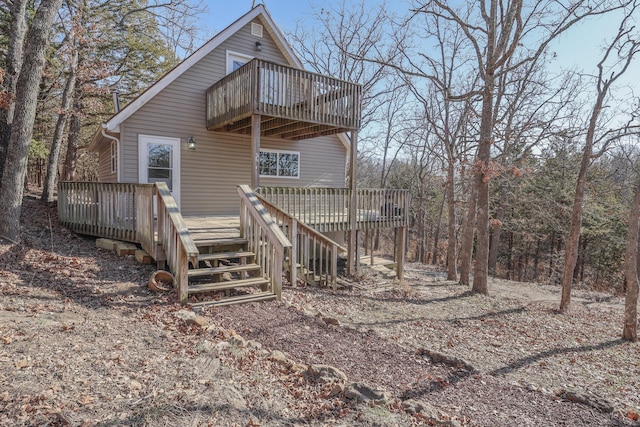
(327, 209)
(228, 226)
(220, 227)
(282, 228)
(292, 104)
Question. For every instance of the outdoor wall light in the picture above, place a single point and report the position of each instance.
(258, 46)
(191, 143)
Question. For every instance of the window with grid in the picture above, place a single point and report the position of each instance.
(284, 164)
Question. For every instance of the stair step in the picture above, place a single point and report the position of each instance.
(260, 296)
(198, 272)
(224, 255)
(221, 242)
(228, 284)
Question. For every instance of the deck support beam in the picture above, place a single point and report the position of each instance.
(255, 151)
(352, 257)
(401, 243)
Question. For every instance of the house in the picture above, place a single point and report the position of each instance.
(239, 110)
(148, 140)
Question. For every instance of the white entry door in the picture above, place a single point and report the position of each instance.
(159, 161)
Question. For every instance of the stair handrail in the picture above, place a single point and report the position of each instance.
(296, 227)
(175, 240)
(264, 237)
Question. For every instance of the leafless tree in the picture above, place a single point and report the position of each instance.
(630, 329)
(27, 88)
(530, 107)
(445, 116)
(13, 61)
(336, 44)
(502, 36)
(615, 61)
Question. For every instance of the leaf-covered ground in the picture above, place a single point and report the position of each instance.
(83, 342)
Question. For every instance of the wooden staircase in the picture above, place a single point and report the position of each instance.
(226, 273)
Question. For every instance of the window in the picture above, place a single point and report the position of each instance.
(114, 156)
(236, 60)
(284, 164)
(160, 168)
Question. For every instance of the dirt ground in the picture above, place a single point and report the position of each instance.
(84, 342)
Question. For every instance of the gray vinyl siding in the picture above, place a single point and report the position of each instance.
(221, 161)
(322, 162)
(104, 164)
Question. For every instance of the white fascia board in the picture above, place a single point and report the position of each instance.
(345, 139)
(281, 42)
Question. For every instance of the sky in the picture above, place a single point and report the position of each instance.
(284, 12)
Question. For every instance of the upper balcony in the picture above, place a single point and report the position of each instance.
(293, 104)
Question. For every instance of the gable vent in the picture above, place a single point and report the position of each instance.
(256, 29)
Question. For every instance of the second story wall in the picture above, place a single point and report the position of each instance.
(209, 174)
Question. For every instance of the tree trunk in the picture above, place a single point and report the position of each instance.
(536, 261)
(630, 330)
(571, 248)
(420, 229)
(576, 269)
(510, 259)
(436, 234)
(73, 142)
(482, 177)
(494, 240)
(451, 225)
(17, 33)
(27, 89)
(468, 230)
(56, 142)
(585, 242)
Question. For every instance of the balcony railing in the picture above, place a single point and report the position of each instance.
(327, 209)
(293, 103)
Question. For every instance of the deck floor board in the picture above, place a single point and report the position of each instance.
(213, 227)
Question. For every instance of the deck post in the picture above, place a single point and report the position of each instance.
(401, 239)
(293, 253)
(353, 208)
(255, 151)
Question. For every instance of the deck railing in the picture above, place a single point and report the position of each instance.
(125, 212)
(145, 221)
(313, 253)
(275, 90)
(265, 239)
(100, 209)
(327, 209)
(175, 240)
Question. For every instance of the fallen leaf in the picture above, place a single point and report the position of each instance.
(23, 364)
(85, 400)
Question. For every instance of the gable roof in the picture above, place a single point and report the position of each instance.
(113, 124)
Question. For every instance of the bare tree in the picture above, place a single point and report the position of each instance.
(529, 109)
(630, 329)
(468, 232)
(70, 53)
(36, 42)
(446, 116)
(502, 36)
(621, 52)
(17, 32)
(337, 45)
